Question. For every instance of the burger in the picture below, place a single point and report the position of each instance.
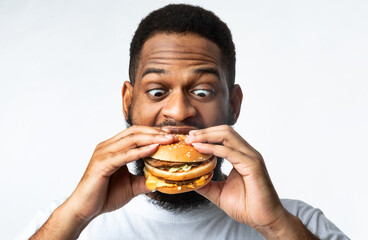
(178, 168)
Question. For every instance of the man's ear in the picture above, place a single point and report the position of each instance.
(127, 94)
(236, 98)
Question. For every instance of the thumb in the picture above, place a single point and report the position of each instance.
(139, 185)
(212, 191)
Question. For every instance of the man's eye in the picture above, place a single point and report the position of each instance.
(157, 92)
(202, 92)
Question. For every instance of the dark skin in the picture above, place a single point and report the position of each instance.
(180, 79)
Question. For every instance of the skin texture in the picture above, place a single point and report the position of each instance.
(181, 81)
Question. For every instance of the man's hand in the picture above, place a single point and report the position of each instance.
(106, 184)
(247, 195)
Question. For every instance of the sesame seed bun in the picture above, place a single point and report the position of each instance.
(179, 152)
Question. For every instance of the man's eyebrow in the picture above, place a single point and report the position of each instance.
(153, 70)
(207, 70)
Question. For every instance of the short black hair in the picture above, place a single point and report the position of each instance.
(184, 18)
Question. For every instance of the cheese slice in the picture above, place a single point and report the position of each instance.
(153, 182)
(201, 181)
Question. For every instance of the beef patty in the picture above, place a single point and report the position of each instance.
(167, 164)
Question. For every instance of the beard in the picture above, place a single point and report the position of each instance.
(182, 202)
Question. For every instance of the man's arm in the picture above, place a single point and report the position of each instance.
(247, 195)
(290, 227)
(62, 224)
(107, 184)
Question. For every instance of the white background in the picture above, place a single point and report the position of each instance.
(302, 66)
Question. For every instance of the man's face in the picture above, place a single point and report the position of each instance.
(181, 82)
(180, 79)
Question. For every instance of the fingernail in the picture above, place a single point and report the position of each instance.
(189, 138)
(197, 144)
(169, 136)
(192, 132)
(153, 145)
(166, 130)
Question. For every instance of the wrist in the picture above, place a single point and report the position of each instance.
(70, 223)
(286, 227)
(62, 224)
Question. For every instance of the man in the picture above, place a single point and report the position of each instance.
(182, 72)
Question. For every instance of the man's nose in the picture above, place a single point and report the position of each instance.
(178, 107)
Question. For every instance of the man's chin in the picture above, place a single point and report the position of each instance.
(180, 202)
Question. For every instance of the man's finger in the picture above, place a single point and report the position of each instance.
(240, 161)
(212, 191)
(223, 135)
(136, 140)
(134, 129)
(139, 185)
(110, 163)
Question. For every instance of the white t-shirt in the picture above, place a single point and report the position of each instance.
(140, 219)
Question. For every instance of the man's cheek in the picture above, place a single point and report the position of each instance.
(147, 115)
(215, 117)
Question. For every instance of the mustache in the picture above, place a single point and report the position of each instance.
(186, 123)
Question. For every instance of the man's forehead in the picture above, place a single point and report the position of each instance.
(180, 46)
(188, 51)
